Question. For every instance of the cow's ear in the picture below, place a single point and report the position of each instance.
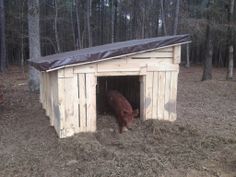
(135, 112)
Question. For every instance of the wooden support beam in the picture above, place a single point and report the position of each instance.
(155, 95)
(82, 103)
(177, 54)
(173, 96)
(149, 95)
(167, 95)
(142, 81)
(91, 83)
(161, 95)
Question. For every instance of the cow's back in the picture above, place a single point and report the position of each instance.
(118, 102)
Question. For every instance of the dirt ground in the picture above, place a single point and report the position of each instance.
(201, 143)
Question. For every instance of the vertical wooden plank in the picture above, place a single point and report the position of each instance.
(148, 96)
(43, 90)
(47, 94)
(70, 100)
(50, 87)
(177, 54)
(142, 97)
(75, 103)
(173, 96)
(68, 105)
(91, 83)
(51, 92)
(161, 94)
(67, 89)
(167, 95)
(55, 106)
(155, 95)
(53, 96)
(61, 104)
(82, 103)
(41, 87)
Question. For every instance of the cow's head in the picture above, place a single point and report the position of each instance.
(128, 116)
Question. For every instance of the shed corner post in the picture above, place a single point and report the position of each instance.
(61, 103)
(174, 82)
(142, 81)
(177, 54)
(91, 114)
(41, 87)
(173, 95)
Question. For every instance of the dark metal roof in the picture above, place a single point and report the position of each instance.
(98, 53)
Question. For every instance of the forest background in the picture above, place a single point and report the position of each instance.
(38, 28)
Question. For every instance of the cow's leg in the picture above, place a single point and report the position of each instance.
(128, 125)
(122, 126)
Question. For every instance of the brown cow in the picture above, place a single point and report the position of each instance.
(122, 109)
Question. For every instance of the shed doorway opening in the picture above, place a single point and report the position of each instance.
(128, 86)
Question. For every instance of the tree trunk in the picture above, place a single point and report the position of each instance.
(231, 63)
(143, 10)
(230, 42)
(134, 19)
(72, 24)
(34, 42)
(163, 19)
(22, 40)
(158, 16)
(207, 70)
(115, 19)
(88, 15)
(78, 25)
(176, 22)
(3, 60)
(56, 29)
(112, 21)
(157, 25)
(187, 56)
(101, 21)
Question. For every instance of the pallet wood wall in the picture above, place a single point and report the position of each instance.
(69, 95)
(158, 93)
(49, 97)
(77, 93)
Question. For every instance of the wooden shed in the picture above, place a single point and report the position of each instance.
(68, 82)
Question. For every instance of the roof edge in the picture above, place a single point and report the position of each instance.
(110, 58)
